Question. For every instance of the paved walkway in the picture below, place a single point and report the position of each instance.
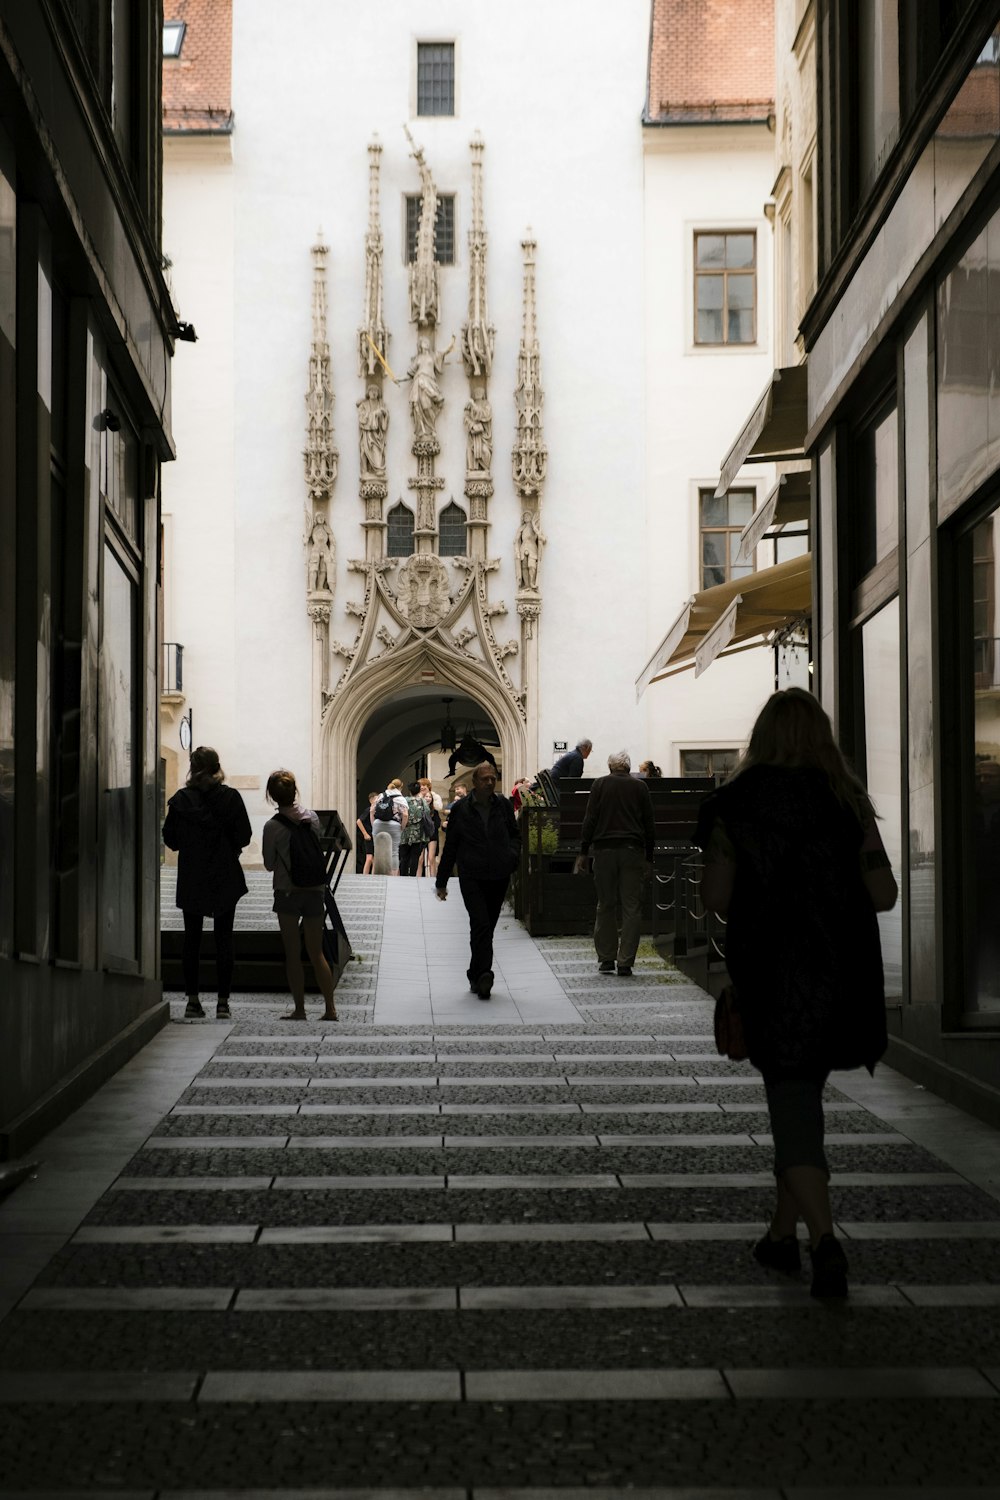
(472, 1251)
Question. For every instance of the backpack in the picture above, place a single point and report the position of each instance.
(427, 825)
(306, 864)
(385, 808)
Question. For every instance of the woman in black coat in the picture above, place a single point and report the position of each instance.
(794, 862)
(207, 824)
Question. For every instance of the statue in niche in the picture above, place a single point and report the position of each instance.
(422, 590)
(320, 572)
(426, 399)
(479, 431)
(527, 546)
(373, 422)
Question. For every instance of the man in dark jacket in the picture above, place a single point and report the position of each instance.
(571, 764)
(483, 838)
(618, 822)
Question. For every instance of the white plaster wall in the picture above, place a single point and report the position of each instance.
(697, 400)
(200, 586)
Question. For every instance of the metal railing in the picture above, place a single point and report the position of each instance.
(172, 680)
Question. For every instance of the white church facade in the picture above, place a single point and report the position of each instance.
(448, 434)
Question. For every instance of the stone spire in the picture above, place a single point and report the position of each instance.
(529, 456)
(373, 329)
(424, 271)
(320, 454)
(478, 333)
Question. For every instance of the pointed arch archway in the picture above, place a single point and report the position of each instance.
(378, 680)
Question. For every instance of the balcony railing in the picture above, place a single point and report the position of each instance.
(986, 662)
(172, 680)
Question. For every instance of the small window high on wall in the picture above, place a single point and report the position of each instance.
(399, 533)
(435, 78)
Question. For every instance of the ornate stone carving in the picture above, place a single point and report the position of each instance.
(529, 613)
(319, 614)
(373, 425)
(497, 608)
(373, 335)
(424, 271)
(478, 333)
(508, 648)
(348, 652)
(529, 457)
(384, 635)
(422, 591)
(463, 637)
(425, 397)
(320, 454)
(479, 435)
(527, 550)
(321, 565)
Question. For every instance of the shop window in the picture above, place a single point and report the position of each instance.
(120, 756)
(982, 900)
(883, 761)
(875, 502)
(399, 531)
(721, 522)
(725, 288)
(719, 763)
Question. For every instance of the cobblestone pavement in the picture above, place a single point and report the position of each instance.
(500, 1251)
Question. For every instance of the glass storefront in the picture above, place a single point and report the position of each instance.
(984, 663)
(118, 753)
(883, 768)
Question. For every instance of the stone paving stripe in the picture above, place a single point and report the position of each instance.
(617, 1108)
(361, 1184)
(684, 1233)
(159, 1234)
(696, 1142)
(531, 1183)
(363, 1109)
(761, 1179)
(287, 1057)
(234, 1109)
(252, 1083)
(52, 1386)
(367, 1142)
(511, 1109)
(474, 1299)
(522, 1142)
(348, 1299)
(921, 1229)
(79, 1495)
(568, 1233)
(859, 1384)
(331, 1385)
(787, 1294)
(127, 1299)
(595, 1385)
(336, 1234)
(984, 1294)
(736, 1081)
(684, 1493)
(190, 1184)
(894, 1492)
(325, 1493)
(216, 1143)
(848, 1138)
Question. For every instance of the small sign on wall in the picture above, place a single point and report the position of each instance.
(558, 745)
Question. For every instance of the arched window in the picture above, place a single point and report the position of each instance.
(399, 537)
(452, 533)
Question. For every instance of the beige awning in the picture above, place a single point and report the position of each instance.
(788, 501)
(722, 620)
(775, 429)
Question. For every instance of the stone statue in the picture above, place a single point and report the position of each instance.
(426, 399)
(527, 545)
(479, 430)
(321, 565)
(373, 422)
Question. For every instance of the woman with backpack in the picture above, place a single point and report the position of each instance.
(291, 849)
(207, 824)
(413, 839)
(390, 815)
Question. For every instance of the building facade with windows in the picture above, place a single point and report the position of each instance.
(708, 159)
(86, 333)
(901, 429)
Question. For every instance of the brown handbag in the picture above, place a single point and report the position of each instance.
(729, 1039)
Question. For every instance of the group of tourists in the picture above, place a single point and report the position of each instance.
(791, 837)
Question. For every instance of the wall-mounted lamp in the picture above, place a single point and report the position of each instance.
(186, 333)
(110, 420)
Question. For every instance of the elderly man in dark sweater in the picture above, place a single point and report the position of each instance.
(618, 826)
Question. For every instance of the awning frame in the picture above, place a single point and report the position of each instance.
(774, 430)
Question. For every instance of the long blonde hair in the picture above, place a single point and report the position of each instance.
(793, 730)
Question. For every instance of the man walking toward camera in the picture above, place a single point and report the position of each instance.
(618, 823)
(483, 839)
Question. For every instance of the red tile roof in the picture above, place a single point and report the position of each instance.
(197, 86)
(711, 60)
